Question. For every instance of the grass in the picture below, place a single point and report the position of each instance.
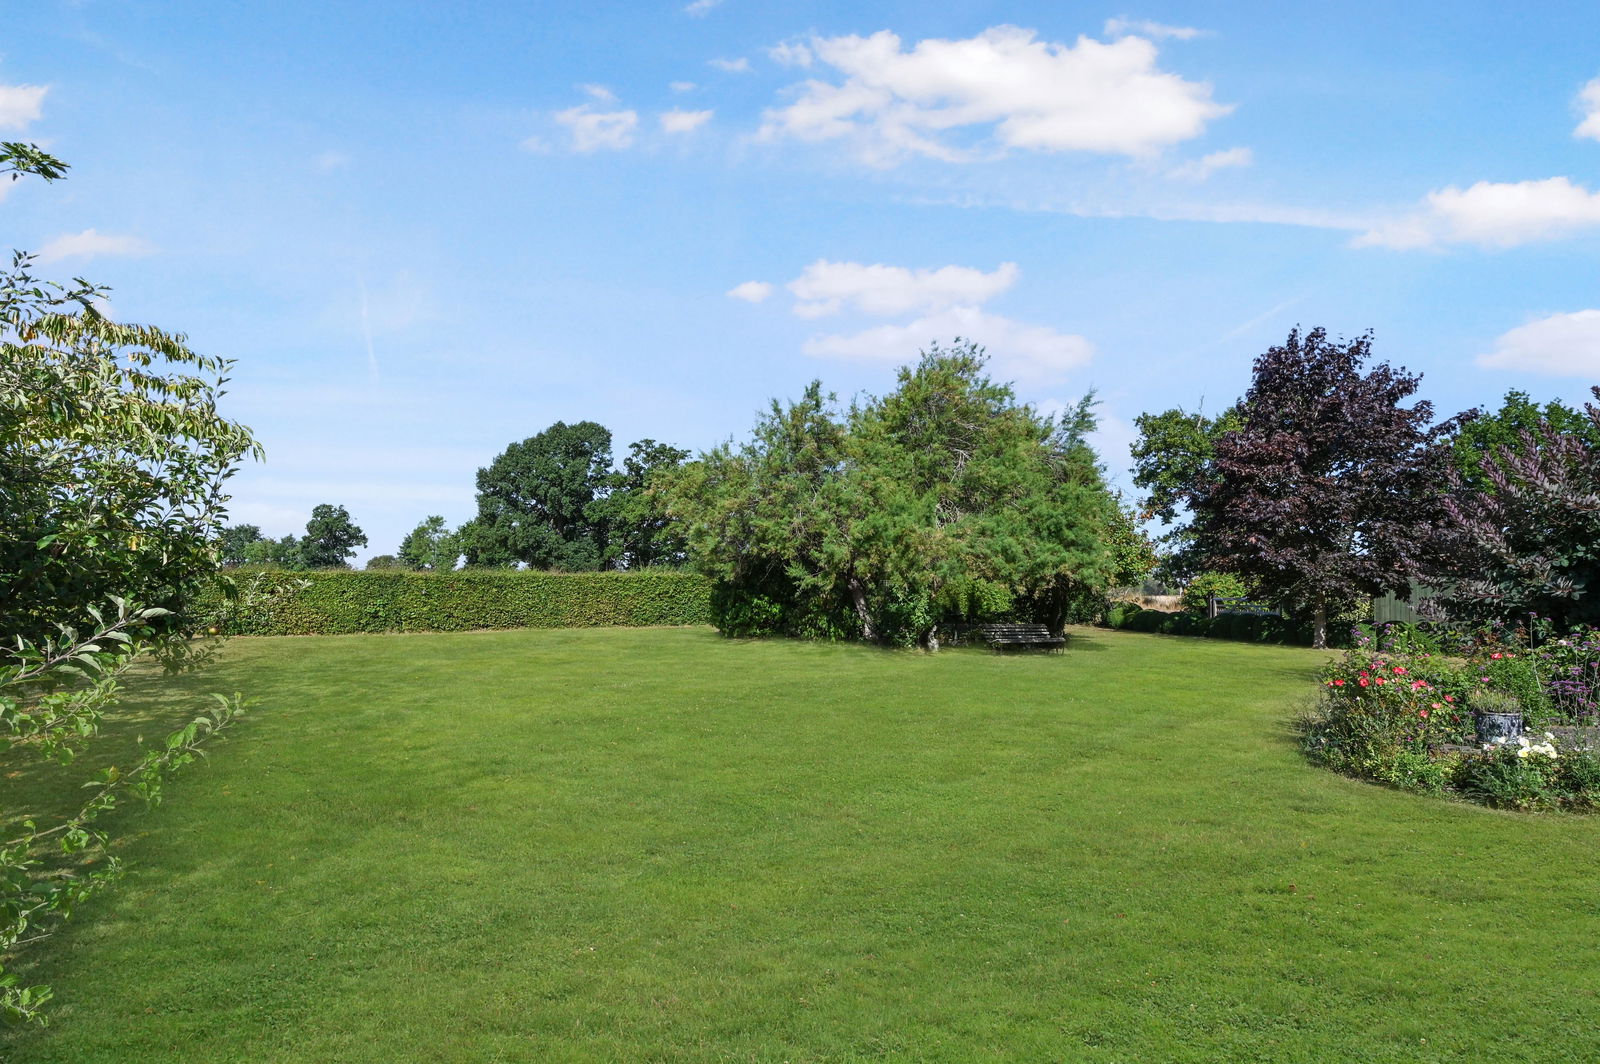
(659, 845)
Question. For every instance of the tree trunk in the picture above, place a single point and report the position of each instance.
(1319, 626)
(858, 596)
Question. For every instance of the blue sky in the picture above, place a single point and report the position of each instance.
(425, 231)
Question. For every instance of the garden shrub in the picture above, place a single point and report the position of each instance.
(338, 602)
(1223, 585)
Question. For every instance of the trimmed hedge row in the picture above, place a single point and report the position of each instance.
(340, 603)
(1242, 627)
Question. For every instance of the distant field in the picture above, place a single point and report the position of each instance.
(660, 845)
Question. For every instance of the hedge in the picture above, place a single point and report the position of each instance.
(338, 602)
(1237, 626)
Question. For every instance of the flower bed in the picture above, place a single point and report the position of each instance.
(1398, 708)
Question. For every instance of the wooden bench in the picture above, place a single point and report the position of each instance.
(1000, 636)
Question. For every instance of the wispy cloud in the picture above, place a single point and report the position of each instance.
(1589, 108)
(91, 244)
(599, 92)
(330, 160)
(701, 8)
(1032, 355)
(594, 130)
(893, 103)
(21, 105)
(740, 65)
(751, 291)
(680, 121)
(681, 86)
(1143, 27)
(828, 287)
(790, 54)
(1203, 167)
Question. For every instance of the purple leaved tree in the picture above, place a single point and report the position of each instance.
(1328, 491)
(1524, 537)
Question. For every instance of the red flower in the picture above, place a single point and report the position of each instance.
(1422, 713)
(1449, 698)
(1398, 671)
(1338, 683)
(1381, 680)
(1363, 682)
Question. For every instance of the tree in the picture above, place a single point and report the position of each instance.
(430, 546)
(275, 553)
(534, 499)
(113, 464)
(1325, 492)
(233, 543)
(113, 459)
(1476, 435)
(638, 532)
(1173, 455)
(385, 561)
(331, 538)
(1523, 528)
(945, 498)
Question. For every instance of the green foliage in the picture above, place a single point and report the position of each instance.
(282, 553)
(1240, 627)
(431, 546)
(331, 538)
(637, 531)
(1202, 587)
(534, 500)
(234, 543)
(1513, 775)
(882, 521)
(18, 159)
(1478, 438)
(332, 602)
(113, 458)
(385, 561)
(1172, 456)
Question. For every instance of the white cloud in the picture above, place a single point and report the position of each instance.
(1589, 105)
(828, 287)
(732, 66)
(90, 244)
(1088, 96)
(681, 86)
(1127, 27)
(790, 53)
(1562, 345)
(751, 291)
(700, 8)
(678, 121)
(1032, 355)
(1203, 167)
(1492, 214)
(20, 105)
(600, 93)
(593, 130)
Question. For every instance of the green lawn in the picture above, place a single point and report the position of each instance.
(641, 845)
